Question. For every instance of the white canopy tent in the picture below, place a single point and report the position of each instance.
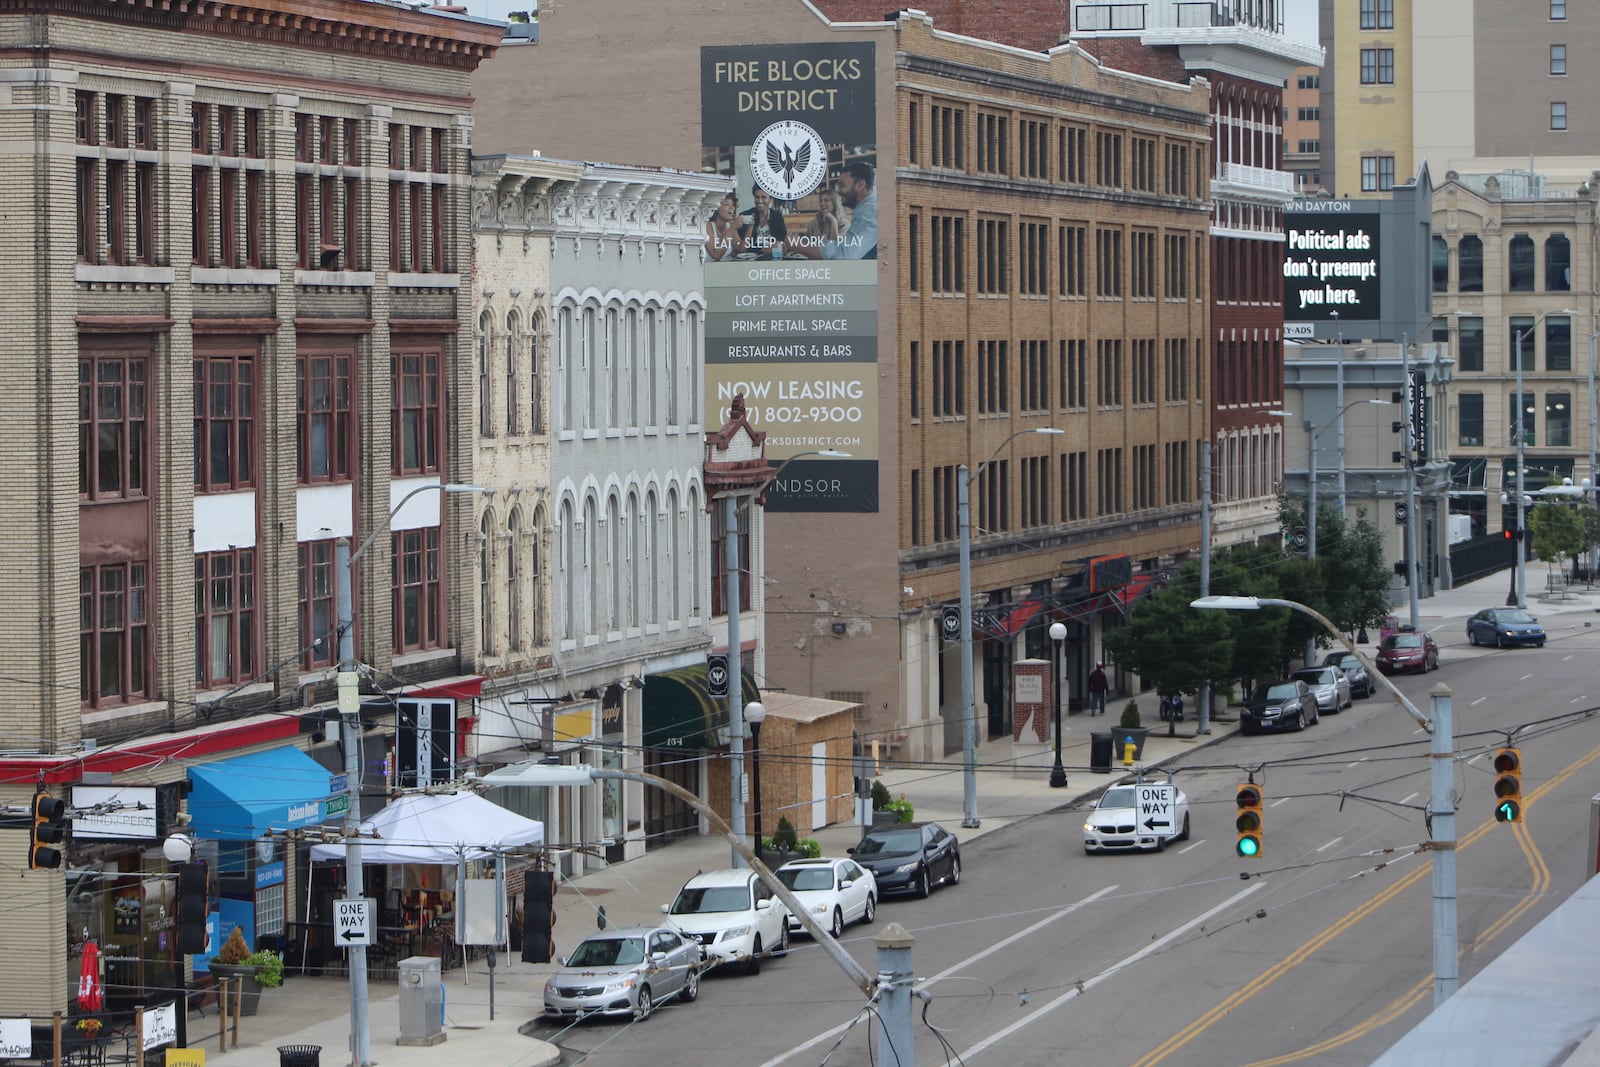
(438, 829)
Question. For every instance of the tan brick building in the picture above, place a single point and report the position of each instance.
(1042, 263)
(245, 230)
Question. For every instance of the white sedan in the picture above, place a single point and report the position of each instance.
(1119, 821)
(834, 891)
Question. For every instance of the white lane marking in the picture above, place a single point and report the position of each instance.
(1153, 947)
(829, 1035)
(1410, 798)
(1275, 803)
(1330, 844)
(1191, 848)
(1565, 658)
(1525, 677)
(1480, 700)
(1357, 763)
(1578, 699)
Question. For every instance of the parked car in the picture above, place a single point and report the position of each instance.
(910, 857)
(1408, 650)
(1285, 705)
(834, 891)
(733, 916)
(1116, 823)
(1504, 626)
(627, 971)
(1354, 669)
(1329, 685)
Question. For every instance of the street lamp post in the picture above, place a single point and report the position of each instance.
(349, 691)
(1058, 773)
(1519, 591)
(730, 556)
(1593, 481)
(1311, 483)
(969, 708)
(755, 713)
(1441, 804)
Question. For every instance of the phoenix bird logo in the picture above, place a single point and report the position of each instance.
(786, 159)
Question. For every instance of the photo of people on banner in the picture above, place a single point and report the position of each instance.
(840, 218)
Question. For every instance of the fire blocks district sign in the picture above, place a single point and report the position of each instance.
(791, 266)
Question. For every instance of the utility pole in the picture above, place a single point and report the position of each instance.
(349, 688)
(1442, 819)
(1204, 726)
(895, 977)
(969, 709)
(730, 555)
(1408, 417)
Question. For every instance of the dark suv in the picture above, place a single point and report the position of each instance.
(1285, 705)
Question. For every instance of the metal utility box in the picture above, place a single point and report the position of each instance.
(421, 1002)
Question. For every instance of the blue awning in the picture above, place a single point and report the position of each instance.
(240, 799)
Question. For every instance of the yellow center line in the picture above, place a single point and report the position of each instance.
(1307, 950)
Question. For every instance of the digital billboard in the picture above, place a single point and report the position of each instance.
(791, 262)
(1330, 262)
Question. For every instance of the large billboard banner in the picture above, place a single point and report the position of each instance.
(791, 262)
(1331, 262)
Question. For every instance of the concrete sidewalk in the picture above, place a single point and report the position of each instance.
(316, 1010)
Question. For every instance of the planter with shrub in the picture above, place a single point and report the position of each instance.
(256, 970)
(1129, 729)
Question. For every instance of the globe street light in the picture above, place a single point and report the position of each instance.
(755, 713)
(969, 708)
(1441, 805)
(1058, 773)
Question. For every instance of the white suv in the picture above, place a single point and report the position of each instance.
(733, 914)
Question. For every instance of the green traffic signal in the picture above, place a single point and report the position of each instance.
(1508, 811)
(1508, 785)
(1249, 845)
(1248, 821)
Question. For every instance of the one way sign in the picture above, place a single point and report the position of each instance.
(353, 922)
(1155, 809)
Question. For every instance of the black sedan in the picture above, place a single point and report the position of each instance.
(910, 857)
(1285, 705)
(1504, 626)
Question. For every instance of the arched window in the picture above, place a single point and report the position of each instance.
(566, 373)
(631, 596)
(591, 380)
(694, 401)
(1469, 264)
(614, 565)
(1520, 263)
(513, 372)
(652, 366)
(538, 624)
(567, 608)
(1441, 264)
(536, 375)
(485, 380)
(592, 565)
(670, 365)
(674, 557)
(613, 368)
(630, 354)
(485, 580)
(1557, 263)
(696, 516)
(514, 581)
(653, 563)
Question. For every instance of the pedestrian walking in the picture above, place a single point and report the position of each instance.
(1097, 690)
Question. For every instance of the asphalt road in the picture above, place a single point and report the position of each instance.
(1043, 955)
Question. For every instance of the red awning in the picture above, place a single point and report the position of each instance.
(1004, 625)
(1136, 588)
(468, 688)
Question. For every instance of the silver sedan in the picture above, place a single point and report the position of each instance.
(627, 971)
(1330, 685)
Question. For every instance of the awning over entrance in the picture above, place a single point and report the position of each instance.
(242, 798)
(1002, 624)
(680, 712)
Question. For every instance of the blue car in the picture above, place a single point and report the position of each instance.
(1502, 627)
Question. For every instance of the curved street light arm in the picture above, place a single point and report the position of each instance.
(440, 487)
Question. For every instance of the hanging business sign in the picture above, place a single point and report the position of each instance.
(123, 812)
(425, 741)
(792, 286)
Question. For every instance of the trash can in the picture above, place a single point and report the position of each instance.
(1100, 752)
(299, 1055)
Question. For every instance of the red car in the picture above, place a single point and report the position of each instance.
(1408, 651)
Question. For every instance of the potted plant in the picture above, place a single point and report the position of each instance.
(254, 969)
(882, 814)
(782, 846)
(902, 808)
(1129, 730)
(810, 848)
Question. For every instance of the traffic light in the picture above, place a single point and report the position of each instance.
(1512, 535)
(1508, 785)
(49, 828)
(1248, 822)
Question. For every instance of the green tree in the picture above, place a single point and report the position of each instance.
(1348, 581)
(1171, 645)
(1558, 532)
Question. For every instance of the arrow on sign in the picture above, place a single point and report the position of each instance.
(353, 934)
(1151, 824)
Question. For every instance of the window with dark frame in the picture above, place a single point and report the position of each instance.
(1557, 263)
(417, 412)
(1469, 343)
(418, 583)
(1557, 343)
(1469, 428)
(325, 416)
(319, 644)
(1469, 264)
(113, 431)
(114, 633)
(1558, 60)
(1071, 271)
(993, 256)
(1523, 342)
(1558, 115)
(224, 421)
(225, 617)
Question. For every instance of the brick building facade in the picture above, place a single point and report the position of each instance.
(246, 228)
